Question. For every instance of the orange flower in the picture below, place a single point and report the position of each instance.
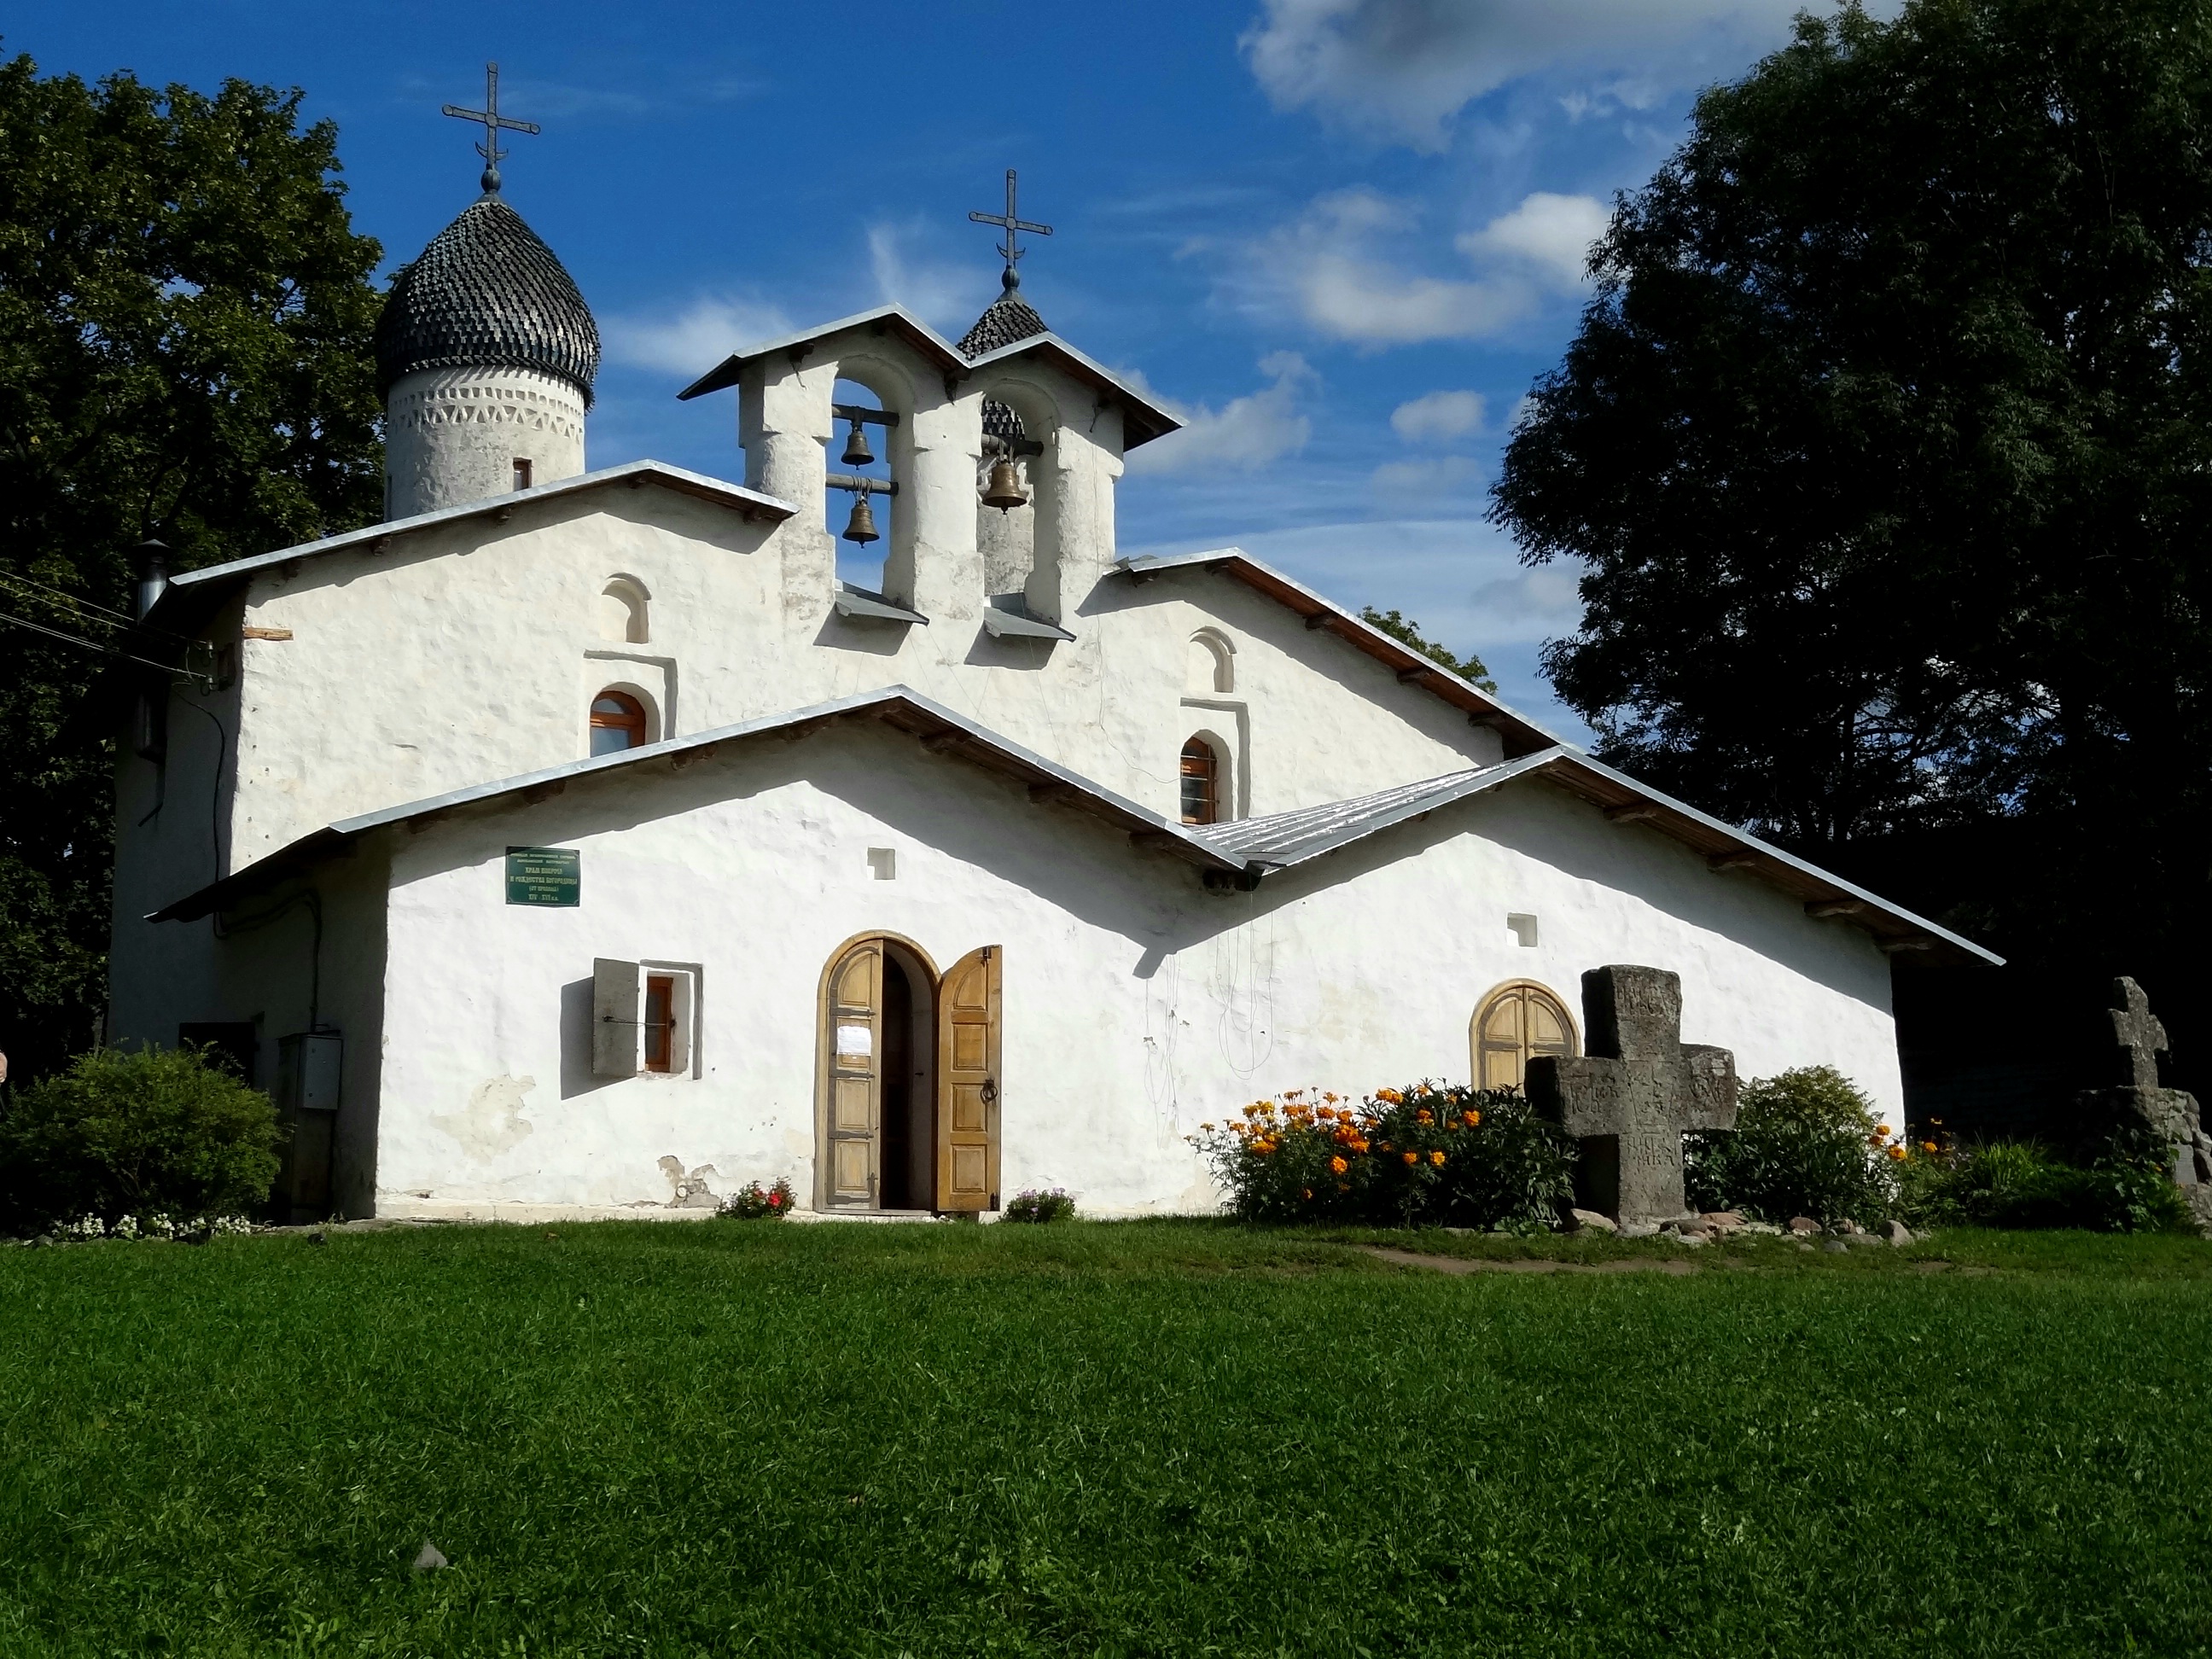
(1338, 1166)
(1927, 1145)
(1411, 1158)
(1471, 1119)
(1882, 1129)
(1390, 1096)
(1424, 1115)
(1437, 1158)
(1897, 1154)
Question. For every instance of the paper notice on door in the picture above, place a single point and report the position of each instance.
(857, 1041)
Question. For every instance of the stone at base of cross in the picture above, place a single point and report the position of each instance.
(1630, 1098)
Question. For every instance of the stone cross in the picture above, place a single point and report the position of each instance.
(2140, 1036)
(1629, 1099)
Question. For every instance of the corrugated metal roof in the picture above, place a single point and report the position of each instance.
(1282, 839)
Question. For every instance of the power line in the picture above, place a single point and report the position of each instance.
(93, 646)
(16, 580)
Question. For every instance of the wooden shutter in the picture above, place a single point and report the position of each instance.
(968, 1046)
(1499, 1055)
(617, 1029)
(855, 1105)
(1518, 1023)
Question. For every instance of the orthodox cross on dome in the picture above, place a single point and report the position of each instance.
(1010, 250)
(1629, 1100)
(494, 122)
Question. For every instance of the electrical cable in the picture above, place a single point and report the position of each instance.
(109, 619)
(214, 789)
(313, 900)
(91, 646)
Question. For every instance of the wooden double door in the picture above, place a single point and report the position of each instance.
(910, 1107)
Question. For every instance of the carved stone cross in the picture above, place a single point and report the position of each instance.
(1629, 1099)
(2140, 1036)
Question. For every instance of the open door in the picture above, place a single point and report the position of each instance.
(855, 1105)
(968, 1083)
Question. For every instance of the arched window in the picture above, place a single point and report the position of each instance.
(622, 614)
(617, 722)
(1211, 671)
(1516, 1022)
(1201, 782)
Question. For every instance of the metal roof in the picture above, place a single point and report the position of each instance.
(1142, 419)
(940, 729)
(1283, 841)
(196, 592)
(487, 292)
(1243, 853)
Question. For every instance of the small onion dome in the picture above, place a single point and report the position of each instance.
(487, 294)
(1007, 319)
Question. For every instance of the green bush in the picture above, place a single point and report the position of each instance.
(1422, 1156)
(1039, 1208)
(144, 1133)
(1805, 1143)
(2125, 1187)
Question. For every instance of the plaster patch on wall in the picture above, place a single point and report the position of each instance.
(691, 1191)
(494, 1122)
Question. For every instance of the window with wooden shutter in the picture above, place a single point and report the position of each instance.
(617, 1029)
(968, 1100)
(1516, 1022)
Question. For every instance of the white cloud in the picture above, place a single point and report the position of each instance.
(1341, 267)
(947, 297)
(1405, 68)
(1553, 233)
(1429, 479)
(1246, 433)
(1437, 416)
(696, 339)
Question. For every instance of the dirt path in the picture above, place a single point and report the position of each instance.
(1460, 1264)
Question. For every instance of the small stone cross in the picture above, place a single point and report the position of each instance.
(1631, 1097)
(2141, 1037)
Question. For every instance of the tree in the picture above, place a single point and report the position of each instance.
(184, 353)
(1407, 632)
(1886, 442)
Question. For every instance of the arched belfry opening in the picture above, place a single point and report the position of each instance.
(862, 511)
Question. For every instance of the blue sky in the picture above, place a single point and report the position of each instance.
(1341, 237)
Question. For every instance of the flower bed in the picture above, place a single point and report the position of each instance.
(1428, 1155)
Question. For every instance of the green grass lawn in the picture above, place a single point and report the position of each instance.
(1138, 1439)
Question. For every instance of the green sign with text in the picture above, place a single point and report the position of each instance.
(544, 875)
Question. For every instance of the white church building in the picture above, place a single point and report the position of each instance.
(577, 843)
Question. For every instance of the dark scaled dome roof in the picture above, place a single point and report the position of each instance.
(1007, 319)
(487, 294)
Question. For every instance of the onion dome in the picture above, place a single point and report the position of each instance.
(487, 294)
(1007, 319)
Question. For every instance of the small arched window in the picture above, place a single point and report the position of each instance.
(622, 612)
(617, 722)
(1516, 1022)
(1201, 782)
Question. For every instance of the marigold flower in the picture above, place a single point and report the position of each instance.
(1391, 1095)
(1897, 1154)
(1411, 1158)
(1437, 1158)
(1927, 1145)
(1882, 1129)
(1338, 1166)
(1471, 1119)
(1424, 1115)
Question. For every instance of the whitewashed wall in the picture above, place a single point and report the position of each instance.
(462, 654)
(1136, 1004)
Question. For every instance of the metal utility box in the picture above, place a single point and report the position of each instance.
(310, 1065)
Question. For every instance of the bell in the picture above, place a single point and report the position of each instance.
(857, 453)
(1005, 489)
(861, 526)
